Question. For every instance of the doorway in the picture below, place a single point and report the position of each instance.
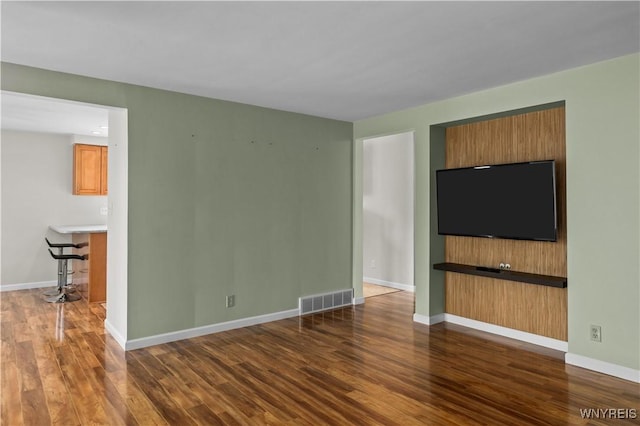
(388, 214)
(41, 115)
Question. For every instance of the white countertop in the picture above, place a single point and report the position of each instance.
(78, 229)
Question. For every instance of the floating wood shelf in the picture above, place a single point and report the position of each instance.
(503, 274)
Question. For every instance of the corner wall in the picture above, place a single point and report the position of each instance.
(603, 195)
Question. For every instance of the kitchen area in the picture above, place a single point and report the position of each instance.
(90, 178)
(54, 179)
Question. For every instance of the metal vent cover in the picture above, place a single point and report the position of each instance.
(326, 301)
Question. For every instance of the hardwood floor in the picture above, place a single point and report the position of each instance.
(373, 290)
(369, 364)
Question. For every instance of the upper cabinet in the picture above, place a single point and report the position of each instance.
(90, 169)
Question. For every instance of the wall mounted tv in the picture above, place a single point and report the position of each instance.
(516, 201)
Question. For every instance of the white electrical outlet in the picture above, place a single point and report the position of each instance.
(373, 263)
(596, 333)
(104, 211)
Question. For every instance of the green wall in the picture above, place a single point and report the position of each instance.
(603, 194)
(224, 198)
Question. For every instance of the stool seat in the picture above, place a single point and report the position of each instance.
(68, 256)
(64, 245)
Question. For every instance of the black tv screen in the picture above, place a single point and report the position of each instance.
(516, 201)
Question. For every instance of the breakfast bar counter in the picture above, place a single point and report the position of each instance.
(78, 229)
(90, 275)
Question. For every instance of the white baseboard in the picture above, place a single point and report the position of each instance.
(158, 339)
(115, 334)
(615, 370)
(432, 320)
(358, 300)
(399, 286)
(547, 342)
(435, 319)
(608, 368)
(27, 286)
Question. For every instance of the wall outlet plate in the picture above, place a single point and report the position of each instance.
(231, 301)
(596, 333)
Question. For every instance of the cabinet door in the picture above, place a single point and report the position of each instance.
(104, 165)
(87, 170)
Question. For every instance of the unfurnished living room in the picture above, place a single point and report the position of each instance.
(320, 213)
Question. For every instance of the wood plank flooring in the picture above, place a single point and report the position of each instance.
(365, 365)
(373, 290)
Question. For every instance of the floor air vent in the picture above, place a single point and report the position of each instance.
(323, 302)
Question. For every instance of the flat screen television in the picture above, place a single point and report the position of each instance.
(516, 201)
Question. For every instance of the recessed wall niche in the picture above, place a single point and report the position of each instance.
(529, 136)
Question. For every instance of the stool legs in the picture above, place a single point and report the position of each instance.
(62, 293)
(62, 281)
(62, 297)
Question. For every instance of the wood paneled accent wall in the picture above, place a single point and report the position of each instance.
(538, 135)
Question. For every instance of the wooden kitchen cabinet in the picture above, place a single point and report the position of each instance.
(90, 169)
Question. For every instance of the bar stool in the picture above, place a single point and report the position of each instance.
(62, 293)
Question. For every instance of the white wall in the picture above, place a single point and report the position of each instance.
(117, 248)
(388, 209)
(36, 192)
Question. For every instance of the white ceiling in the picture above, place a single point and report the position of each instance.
(343, 60)
(46, 115)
